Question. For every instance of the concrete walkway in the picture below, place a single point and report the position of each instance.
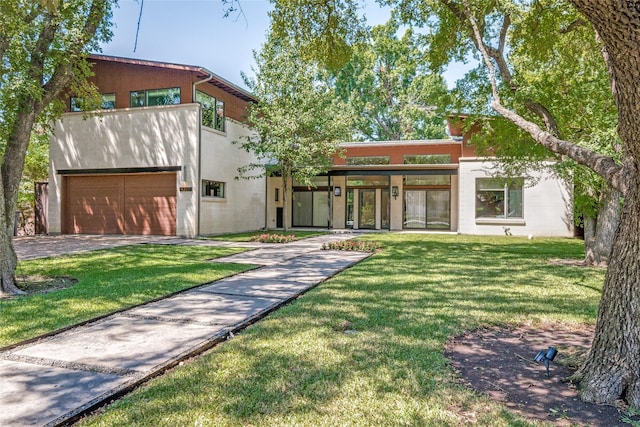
(52, 380)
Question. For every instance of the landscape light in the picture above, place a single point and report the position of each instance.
(546, 357)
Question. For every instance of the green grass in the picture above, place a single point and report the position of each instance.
(245, 237)
(108, 280)
(298, 367)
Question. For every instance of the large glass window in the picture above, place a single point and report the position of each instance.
(153, 97)
(212, 111)
(427, 209)
(310, 208)
(499, 198)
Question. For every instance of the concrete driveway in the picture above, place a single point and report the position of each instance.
(54, 379)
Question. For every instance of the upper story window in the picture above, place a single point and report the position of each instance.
(499, 198)
(153, 97)
(212, 111)
(426, 159)
(368, 160)
(107, 102)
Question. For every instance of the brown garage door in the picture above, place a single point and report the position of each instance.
(120, 204)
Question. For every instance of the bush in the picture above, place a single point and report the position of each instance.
(352, 245)
(272, 238)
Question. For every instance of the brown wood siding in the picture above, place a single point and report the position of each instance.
(397, 151)
(120, 204)
(122, 78)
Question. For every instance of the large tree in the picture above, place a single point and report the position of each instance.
(612, 369)
(389, 84)
(43, 47)
(298, 119)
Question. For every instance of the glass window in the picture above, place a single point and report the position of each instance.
(367, 181)
(426, 159)
(316, 181)
(107, 102)
(150, 98)
(77, 104)
(219, 116)
(212, 111)
(427, 180)
(163, 96)
(368, 160)
(497, 198)
(208, 105)
(138, 99)
(213, 189)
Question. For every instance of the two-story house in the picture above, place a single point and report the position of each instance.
(159, 158)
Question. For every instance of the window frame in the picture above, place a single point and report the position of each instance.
(426, 159)
(211, 107)
(367, 160)
(75, 103)
(144, 95)
(208, 187)
(506, 191)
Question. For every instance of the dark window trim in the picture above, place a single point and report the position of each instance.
(395, 172)
(110, 171)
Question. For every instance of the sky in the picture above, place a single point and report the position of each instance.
(195, 32)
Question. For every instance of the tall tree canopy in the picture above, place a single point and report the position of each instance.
(298, 118)
(559, 79)
(43, 46)
(612, 369)
(389, 84)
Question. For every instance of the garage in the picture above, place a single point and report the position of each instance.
(120, 204)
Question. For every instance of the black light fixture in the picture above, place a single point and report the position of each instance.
(337, 191)
(394, 192)
(546, 357)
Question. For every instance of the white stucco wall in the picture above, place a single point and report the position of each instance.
(243, 207)
(128, 138)
(547, 208)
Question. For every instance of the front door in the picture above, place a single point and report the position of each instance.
(367, 209)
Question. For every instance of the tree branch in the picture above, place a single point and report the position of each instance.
(605, 166)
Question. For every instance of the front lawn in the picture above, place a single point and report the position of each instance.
(108, 280)
(365, 348)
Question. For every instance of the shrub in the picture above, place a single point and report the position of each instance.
(352, 245)
(272, 238)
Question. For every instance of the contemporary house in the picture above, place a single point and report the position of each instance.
(159, 158)
(426, 185)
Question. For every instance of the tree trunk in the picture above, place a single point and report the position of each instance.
(598, 244)
(10, 174)
(8, 262)
(612, 369)
(589, 239)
